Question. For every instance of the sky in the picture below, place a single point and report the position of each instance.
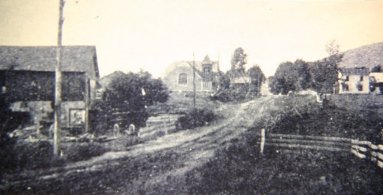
(150, 35)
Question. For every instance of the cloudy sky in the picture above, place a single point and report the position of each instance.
(151, 34)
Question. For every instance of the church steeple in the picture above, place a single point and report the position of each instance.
(207, 65)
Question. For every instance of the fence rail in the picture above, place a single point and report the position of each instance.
(361, 149)
(368, 150)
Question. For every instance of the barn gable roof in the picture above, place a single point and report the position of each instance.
(43, 58)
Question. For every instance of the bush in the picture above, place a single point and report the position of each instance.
(195, 118)
(28, 156)
(83, 151)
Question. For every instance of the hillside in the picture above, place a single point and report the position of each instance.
(365, 56)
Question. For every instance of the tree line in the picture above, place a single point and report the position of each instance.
(320, 76)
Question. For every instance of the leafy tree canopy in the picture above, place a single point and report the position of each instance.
(238, 59)
(131, 93)
(291, 77)
(324, 74)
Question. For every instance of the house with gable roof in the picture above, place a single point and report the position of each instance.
(356, 74)
(27, 80)
(179, 76)
(353, 80)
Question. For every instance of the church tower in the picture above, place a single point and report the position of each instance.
(207, 66)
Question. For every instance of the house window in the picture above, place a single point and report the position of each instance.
(347, 78)
(359, 86)
(361, 78)
(206, 70)
(183, 79)
(344, 87)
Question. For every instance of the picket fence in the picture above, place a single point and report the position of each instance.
(361, 149)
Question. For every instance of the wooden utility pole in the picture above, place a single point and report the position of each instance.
(194, 91)
(58, 81)
(87, 102)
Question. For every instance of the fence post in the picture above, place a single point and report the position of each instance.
(263, 139)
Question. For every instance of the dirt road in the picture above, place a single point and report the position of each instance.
(154, 167)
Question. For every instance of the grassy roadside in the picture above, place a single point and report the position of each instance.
(240, 169)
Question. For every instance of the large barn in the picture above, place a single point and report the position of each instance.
(27, 77)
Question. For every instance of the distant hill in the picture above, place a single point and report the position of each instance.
(105, 81)
(366, 56)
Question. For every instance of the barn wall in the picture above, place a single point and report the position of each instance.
(39, 86)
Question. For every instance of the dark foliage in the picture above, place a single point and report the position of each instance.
(324, 74)
(363, 125)
(10, 120)
(28, 156)
(228, 91)
(195, 118)
(126, 99)
(257, 78)
(376, 68)
(291, 77)
(83, 151)
(321, 76)
(238, 59)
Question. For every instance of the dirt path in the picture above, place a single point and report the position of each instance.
(166, 160)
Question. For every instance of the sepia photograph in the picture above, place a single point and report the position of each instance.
(191, 97)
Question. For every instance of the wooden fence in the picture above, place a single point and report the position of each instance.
(367, 150)
(361, 149)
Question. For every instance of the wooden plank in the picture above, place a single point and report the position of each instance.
(373, 146)
(359, 148)
(310, 137)
(380, 156)
(306, 147)
(358, 154)
(353, 141)
(303, 142)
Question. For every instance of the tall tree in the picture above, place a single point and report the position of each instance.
(131, 93)
(238, 59)
(332, 48)
(291, 77)
(324, 74)
(257, 78)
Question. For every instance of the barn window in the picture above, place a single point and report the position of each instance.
(183, 79)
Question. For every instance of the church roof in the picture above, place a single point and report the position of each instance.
(207, 60)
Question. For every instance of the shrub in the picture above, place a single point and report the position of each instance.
(28, 156)
(83, 151)
(195, 118)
